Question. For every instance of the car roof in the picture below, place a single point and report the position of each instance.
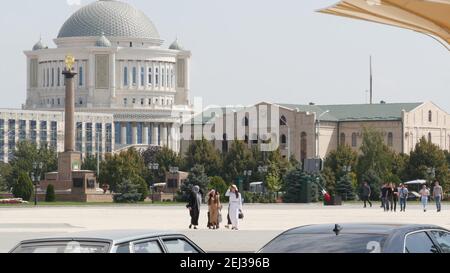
(359, 228)
(115, 236)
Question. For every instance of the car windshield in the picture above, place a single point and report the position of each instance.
(326, 243)
(63, 247)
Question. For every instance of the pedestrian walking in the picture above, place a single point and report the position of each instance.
(366, 192)
(424, 194)
(384, 197)
(235, 206)
(438, 194)
(403, 196)
(395, 196)
(214, 209)
(195, 202)
(390, 197)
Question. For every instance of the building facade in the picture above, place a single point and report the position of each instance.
(313, 131)
(94, 131)
(122, 69)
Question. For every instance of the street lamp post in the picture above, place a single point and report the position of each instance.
(36, 177)
(174, 170)
(431, 175)
(153, 167)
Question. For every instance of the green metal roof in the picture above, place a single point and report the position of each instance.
(360, 112)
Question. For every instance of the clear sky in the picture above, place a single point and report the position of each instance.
(246, 51)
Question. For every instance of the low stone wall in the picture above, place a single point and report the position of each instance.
(68, 197)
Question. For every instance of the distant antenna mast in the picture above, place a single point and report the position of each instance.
(371, 81)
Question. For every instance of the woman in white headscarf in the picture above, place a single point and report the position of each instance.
(235, 207)
(195, 201)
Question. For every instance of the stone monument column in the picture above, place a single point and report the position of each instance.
(69, 113)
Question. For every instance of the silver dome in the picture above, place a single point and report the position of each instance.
(176, 45)
(39, 45)
(113, 18)
(103, 42)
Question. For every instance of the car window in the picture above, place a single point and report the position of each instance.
(148, 247)
(63, 247)
(419, 242)
(123, 248)
(179, 246)
(326, 243)
(443, 239)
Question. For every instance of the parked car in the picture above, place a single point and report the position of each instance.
(122, 241)
(361, 238)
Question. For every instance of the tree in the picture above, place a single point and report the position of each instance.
(5, 173)
(23, 188)
(427, 155)
(374, 181)
(344, 188)
(50, 194)
(197, 177)
(27, 153)
(295, 184)
(238, 159)
(202, 152)
(375, 155)
(273, 179)
(329, 180)
(342, 157)
(90, 163)
(165, 158)
(218, 184)
(127, 192)
(142, 187)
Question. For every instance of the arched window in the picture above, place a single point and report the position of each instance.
(157, 76)
(390, 139)
(246, 122)
(48, 77)
(283, 121)
(172, 78)
(354, 140)
(303, 146)
(430, 116)
(163, 77)
(225, 143)
(59, 76)
(134, 79)
(53, 76)
(283, 139)
(429, 137)
(342, 139)
(80, 76)
(125, 76)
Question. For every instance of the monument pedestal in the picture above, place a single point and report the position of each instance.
(68, 162)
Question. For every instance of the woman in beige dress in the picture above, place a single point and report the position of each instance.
(214, 209)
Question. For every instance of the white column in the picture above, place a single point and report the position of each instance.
(145, 131)
(91, 78)
(134, 136)
(164, 135)
(112, 74)
(155, 132)
(123, 133)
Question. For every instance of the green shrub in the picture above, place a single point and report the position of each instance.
(23, 188)
(127, 192)
(50, 194)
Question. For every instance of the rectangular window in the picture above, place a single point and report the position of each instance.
(99, 137)
(108, 136)
(80, 76)
(59, 76)
(11, 135)
(43, 133)
(48, 77)
(125, 76)
(79, 137)
(150, 76)
(89, 139)
(22, 130)
(54, 135)
(157, 76)
(117, 131)
(2, 139)
(134, 76)
(163, 74)
(142, 76)
(33, 133)
(53, 76)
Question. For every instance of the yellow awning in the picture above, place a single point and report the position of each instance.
(430, 17)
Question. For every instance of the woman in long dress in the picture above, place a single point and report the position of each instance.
(235, 206)
(214, 208)
(195, 201)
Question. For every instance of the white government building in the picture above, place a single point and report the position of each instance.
(130, 89)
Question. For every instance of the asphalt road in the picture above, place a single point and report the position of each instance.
(261, 223)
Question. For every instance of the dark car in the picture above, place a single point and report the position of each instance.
(108, 241)
(361, 238)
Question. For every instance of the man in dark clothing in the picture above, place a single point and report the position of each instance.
(366, 192)
(195, 201)
(384, 197)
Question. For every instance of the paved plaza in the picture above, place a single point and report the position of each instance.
(261, 223)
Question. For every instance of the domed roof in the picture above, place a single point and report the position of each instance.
(39, 45)
(176, 45)
(103, 42)
(113, 18)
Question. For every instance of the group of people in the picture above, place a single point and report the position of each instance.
(215, 207)
(391, 194)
